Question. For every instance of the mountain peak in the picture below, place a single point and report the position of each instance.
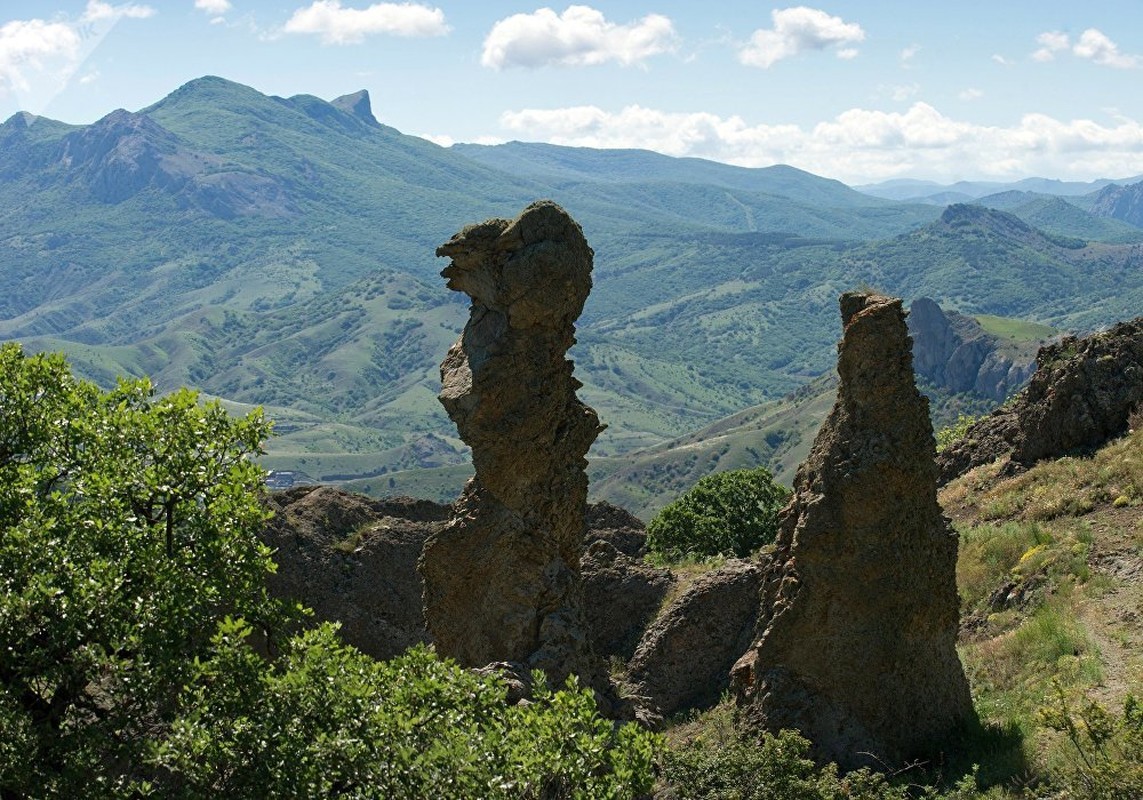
(209, 90)
(358, 105)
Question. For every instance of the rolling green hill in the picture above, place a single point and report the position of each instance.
(279, 251)
(1063, 217)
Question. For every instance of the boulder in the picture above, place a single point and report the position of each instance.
(621, 596)
(859, 609)
(353, 561)
(502, 577)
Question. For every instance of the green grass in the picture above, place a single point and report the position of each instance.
(1016, 330)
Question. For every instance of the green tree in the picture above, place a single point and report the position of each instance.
(127, 531)
(132, 604)
(727, 513)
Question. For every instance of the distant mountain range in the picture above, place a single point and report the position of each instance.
(966, 191)
(279, 251)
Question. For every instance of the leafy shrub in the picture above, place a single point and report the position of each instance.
(325, 720)
(740, 767)
(951, 434)
(127, 531)
(1107, 749)
(727, 513)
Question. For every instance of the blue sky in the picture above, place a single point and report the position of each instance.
(859, 91)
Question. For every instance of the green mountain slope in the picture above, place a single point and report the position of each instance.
(1063, 217)
(585, 164)
(280, 251)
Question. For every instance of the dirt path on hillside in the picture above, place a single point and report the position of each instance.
(1115, 619)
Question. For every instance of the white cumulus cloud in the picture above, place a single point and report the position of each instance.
(336, 24)
(97, 11)
(580, 36)
(797, 30)
(25, 45)
(1051, 43)
(858, 145)
(39, 57)
(213, 7)
(1094, 45)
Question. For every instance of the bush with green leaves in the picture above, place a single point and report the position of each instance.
(949, 435)
(135, 625)
(325, 720)
(741, 767)
(728, 513)
(1106, 757)
(127, 531)
(728, 761)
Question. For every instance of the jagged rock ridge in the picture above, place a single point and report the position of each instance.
(952, 351)
(859, 611)
(1120, 202)
(1081, 395)
(502, 579)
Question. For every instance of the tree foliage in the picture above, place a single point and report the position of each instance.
(727, 513)
(138, 646)
(325, 720)
(126, 533)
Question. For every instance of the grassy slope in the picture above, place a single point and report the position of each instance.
(1065, 542)
(1050, 575)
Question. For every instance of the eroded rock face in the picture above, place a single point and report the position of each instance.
(859, 611)
(353, 560)
(502, 580)
(954, 352)
(1081, 396)
(683, 660)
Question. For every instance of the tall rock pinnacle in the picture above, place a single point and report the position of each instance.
(502, 579)
(859, 620)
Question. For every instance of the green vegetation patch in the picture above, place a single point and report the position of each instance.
(1017, 330)
(727, 513)
(143, 656)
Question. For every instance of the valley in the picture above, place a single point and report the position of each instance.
(279, 252)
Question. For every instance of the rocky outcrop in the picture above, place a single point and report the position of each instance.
(683, 660)
(353, 560)
(125, 153)
(1124, 203)
(621, 593)
(953, 352)
(502, 578)
(1081, 396)
(859, 613)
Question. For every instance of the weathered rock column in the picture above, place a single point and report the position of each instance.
(859, 611)
(502, 579)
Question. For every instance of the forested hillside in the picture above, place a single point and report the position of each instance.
(280, 252)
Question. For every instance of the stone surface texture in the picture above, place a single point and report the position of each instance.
(353, 560)
(683, 660)
(859, 603)
(1081, 395)
(502, 578)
